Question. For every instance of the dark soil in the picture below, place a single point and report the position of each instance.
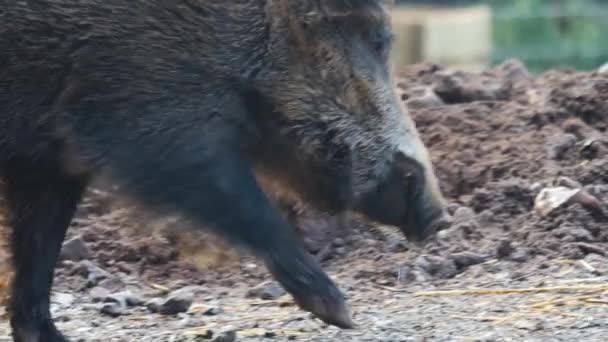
(497, 139)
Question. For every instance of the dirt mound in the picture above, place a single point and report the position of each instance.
(499, 137)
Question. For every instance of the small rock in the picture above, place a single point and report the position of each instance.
(557, 145)
(228, 334)
(125, 298)
(74, 250)
(98, 294)
(520, 255)
(463, 223)
(62, 299)
(185, 321)
(437, 266)
(463, 214)
(587, 322)
(92, 272)
(577, 234)
(154, 304)
(250, 266)
(112, 309)
(487, 337)
(549, 199)
(113, 283)
(504, 249)
(568, 182)
(405, 275)
(213, 311)
(526, 324)
(603, 69)
(176, 302)
(536, 187)
(207, 334)
(466, 259)
(267, 291)
(591, 149)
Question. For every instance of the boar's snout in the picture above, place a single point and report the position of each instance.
(407, 198)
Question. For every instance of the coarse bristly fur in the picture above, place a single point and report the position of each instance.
(186, 102)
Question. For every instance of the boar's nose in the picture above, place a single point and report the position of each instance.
(406, 198)
(423, 208)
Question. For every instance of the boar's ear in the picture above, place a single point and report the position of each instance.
(353, 11)
(312, 12)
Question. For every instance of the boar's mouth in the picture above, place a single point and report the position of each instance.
(403, 199)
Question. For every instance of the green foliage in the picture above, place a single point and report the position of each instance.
(546, 34)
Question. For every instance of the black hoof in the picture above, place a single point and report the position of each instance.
(311, 288)
(42, 332)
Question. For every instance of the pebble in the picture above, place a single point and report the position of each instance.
(463, 224)
(577, 234)
(526, 324)
(154, 304)
(176, 302)
(463, 214)
(504, 249)
(466, 259)
(227, 334)
(437, 266)
(98, 294)
(125, 298)
(487, 337)
(568, 182)
(557, 145)
(521, 255)
(112, 283)
(405, 275)
(213, 311)
(62, 299)
(74, 250)
(92, 272)
(112, 309)
(267, 291)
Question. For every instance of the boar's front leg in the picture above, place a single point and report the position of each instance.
(203, 173)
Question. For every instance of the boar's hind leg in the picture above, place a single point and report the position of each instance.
(213, 184)
(41, 203)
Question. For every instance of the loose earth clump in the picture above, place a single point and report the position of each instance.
(499, 139)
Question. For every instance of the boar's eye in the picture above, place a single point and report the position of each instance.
(381, 42)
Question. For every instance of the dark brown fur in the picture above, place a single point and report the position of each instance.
(185, 102)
